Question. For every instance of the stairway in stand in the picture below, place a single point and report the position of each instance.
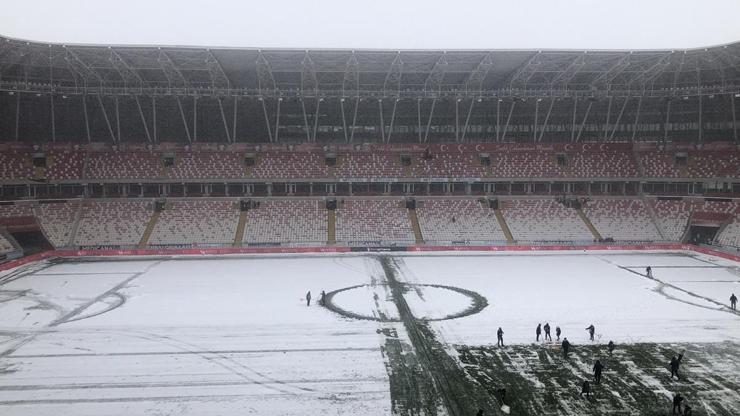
(589, 224)
(504, 226)
(240, 227)
(149, 229)
(415, 225)
(331, 229)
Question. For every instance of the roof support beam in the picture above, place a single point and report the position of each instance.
(474, 83)
(351, 81)
(223, 118)
(107, 120)
(467, 119)
(128, 74)
(508, 119)
(433, 83)
(524, 72)
(585, 117)
(392, 84)
(619, 118)
(309, 81)
(143, 119)
(429, 120)
(657, 68)
(184, 120)
(77, 66)
(570, 72)
(547, 118)
(175, 78)
(265, 79)
(219, 79)
(606, 78)
(267, 119)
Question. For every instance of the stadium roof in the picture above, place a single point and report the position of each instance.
(174, 70)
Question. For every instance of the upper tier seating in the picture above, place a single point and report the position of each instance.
(457, 220)
(279, 165)
(454, 165)
(197, 223)
(64, 165)
(57, 221)
(206, 165)
(113, 223)
(373, 220)
(544, 220)
(600, 165)
(15, 165)
(123, 165)
(622, 219)
(289, 221)
(700, 164)
(368, 165)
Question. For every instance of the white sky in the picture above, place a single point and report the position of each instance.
(383, 24)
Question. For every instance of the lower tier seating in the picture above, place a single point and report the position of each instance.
(373, 220)
(544, 220)
(113, 223)
(290, 221)
(196, 223)
(622, 219)
(457, 220)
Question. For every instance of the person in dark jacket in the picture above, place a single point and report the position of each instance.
(539, 331)
(585, 388)
(557, 332)
(566, 346)
(677, 399)
(322, 299)
(733, 302)
(610, 347)
(674, 367)
(500, 336)
(308, 298)
(591, 331)
(597, 371)
(649, 272)
(547, 332)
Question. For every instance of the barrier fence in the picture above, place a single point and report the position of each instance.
(343, 249)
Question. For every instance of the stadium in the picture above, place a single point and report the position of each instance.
(164, 210)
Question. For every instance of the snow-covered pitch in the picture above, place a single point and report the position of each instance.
(234, 336)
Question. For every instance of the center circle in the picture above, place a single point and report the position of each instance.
(464, 302)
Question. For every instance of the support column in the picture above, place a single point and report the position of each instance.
(53, 121)
(18, 114)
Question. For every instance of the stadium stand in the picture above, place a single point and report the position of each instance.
(15, 165)
(197, 223)
(5, 245)
(123, 165)
(206, 165)
(544, 220)
(287, 221)
(452, 165)
(112, 223)
(369, 165)
(457, 220)
(360, 221)
(57, 221)
(672, 217)
(65, 165)
(730, 235)
(284, 165)
(622, 219)
(16, 210)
